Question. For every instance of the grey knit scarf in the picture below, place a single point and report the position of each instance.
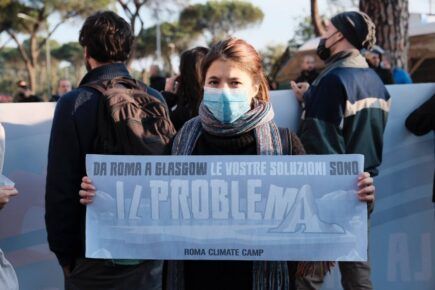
(265, 275)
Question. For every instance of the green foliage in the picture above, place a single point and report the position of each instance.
(174, 38)
(71, 52)
(271, 55)
(304, 31)
(219, 19)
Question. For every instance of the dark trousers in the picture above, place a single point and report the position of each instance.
(101, 274)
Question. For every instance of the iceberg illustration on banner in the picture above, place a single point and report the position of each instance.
(303, 217)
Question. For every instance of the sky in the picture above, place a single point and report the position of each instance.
(281, 19)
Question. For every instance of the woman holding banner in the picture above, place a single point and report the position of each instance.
(235, 118)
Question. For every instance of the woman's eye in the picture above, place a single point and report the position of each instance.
(235, 83)
(213, 83)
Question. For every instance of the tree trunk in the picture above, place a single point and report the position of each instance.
(391, 18)
(316, 19)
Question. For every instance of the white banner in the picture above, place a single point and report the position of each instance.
(402, 231)
(300, 208)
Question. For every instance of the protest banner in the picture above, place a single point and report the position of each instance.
(226, 208)
(402, 227)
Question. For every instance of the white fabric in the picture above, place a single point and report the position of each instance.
(2, 147)
(8, 278)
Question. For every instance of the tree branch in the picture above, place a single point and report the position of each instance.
(20, 46)
(50, 33)
(319, 28)
(125, 7)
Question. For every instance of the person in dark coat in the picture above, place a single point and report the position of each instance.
(106, 39)
(345, 111)
(308, 72)
(183, 93)
(24, 94)
(157, 81)
(374, 59)
(422, 121)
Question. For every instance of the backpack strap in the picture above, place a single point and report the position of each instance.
(286, 141)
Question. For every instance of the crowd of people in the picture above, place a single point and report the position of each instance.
(219, 104)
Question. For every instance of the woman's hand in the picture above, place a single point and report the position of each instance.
(299, 89)
(87, 192)
(366, 189)
(170, 84)
(6, 192)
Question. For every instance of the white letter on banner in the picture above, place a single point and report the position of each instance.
(426, 259)
(398, 256)
(219, 199)
(135, 202)
(200, 207)
(253, 198)
(279, 202)
(179, 192)
(235, 202)
(159, 192)
(120, 200)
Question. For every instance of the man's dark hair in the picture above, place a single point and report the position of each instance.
(107, 37)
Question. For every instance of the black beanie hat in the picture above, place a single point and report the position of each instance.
(356, 27)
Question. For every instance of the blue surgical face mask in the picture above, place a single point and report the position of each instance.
(227, 105)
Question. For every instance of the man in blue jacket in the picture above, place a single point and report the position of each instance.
(344, 111)
(106, 39)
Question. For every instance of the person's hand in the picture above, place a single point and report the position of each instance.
(170, 84)
(366, 189)
(6, 192)
(299, 89)
(87, 192)
(66, 270)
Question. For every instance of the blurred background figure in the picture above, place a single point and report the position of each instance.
(24, 94)
(183, 93)
(308, 70)
(374, 58)
(63, 87)
(157, 81)
(400, 76)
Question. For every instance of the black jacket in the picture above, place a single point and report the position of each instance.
(72, 136)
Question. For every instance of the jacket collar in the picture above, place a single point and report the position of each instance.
(105, 72)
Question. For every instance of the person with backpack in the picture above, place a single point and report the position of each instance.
(109, 113)
(234, 113)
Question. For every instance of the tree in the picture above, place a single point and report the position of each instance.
(71, 52)
(30, 18)
(219, 19)
(270, 56)
(132, 10)
(174, 39)
(316, 19)
(391, 19)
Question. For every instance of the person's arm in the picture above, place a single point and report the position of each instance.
(422, 120)
(64, 216)
(6, 193)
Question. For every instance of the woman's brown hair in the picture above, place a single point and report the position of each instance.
(244, 55)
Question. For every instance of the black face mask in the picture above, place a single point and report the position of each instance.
(325, 52)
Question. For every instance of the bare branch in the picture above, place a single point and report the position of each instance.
(50, 33)
(4, 44)
(125, 7)
(20, 46)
